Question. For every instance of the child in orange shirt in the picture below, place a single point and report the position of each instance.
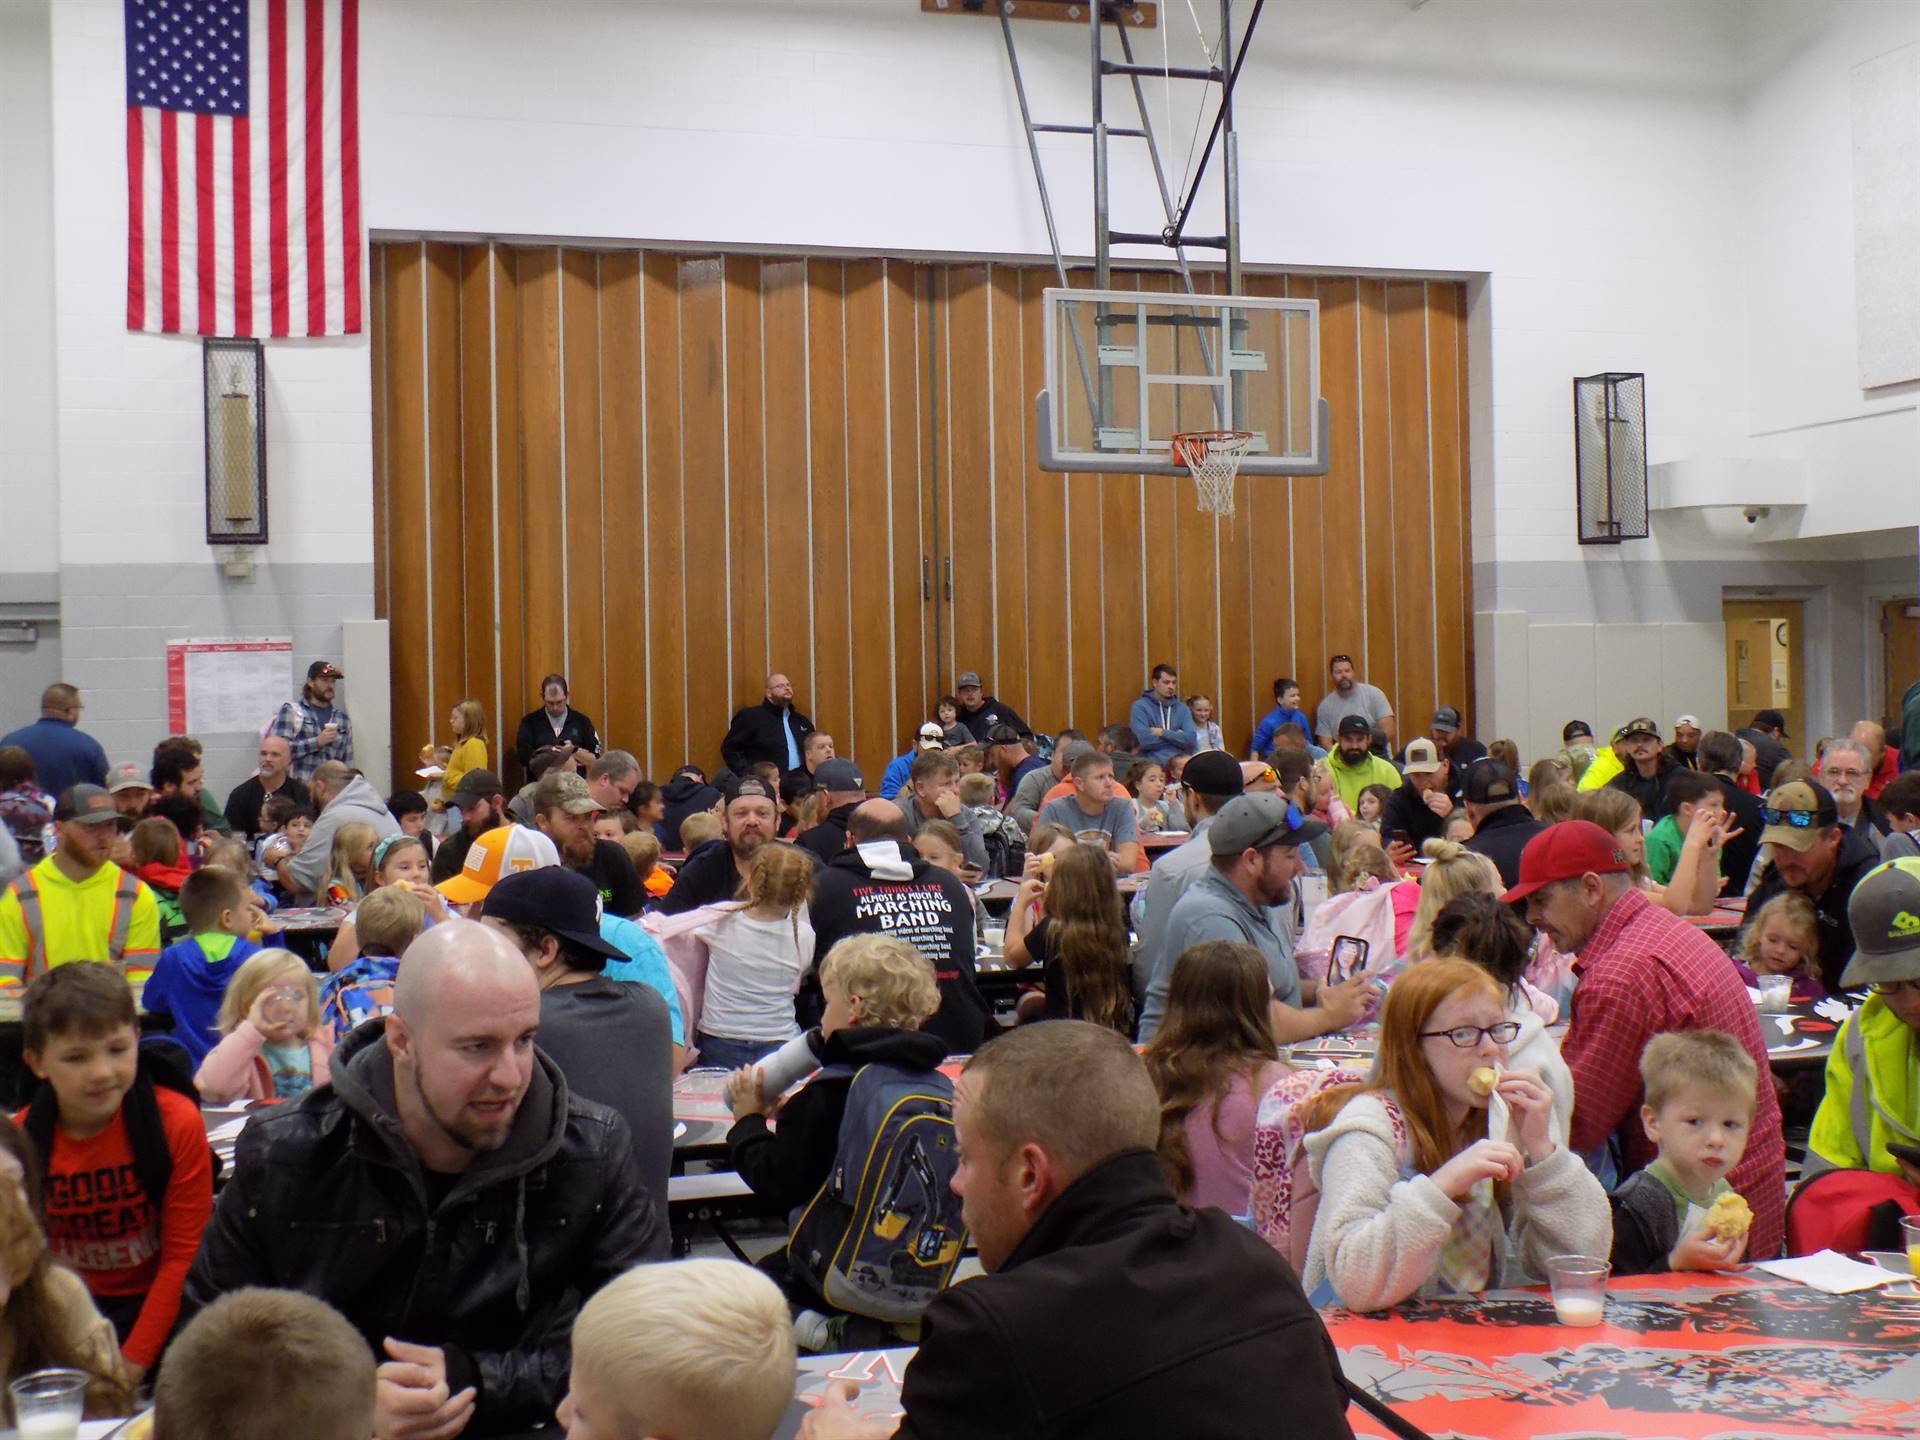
(129, 1177)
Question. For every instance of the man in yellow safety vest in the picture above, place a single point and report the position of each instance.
(77, 904)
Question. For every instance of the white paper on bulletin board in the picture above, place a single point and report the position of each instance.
(227, 686)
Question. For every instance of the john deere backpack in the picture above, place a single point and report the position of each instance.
(884, 1233)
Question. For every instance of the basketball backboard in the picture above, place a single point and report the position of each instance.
(1127, 370)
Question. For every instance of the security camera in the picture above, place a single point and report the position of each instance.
(1756, 513)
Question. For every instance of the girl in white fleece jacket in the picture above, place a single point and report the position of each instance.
(1415, 1197)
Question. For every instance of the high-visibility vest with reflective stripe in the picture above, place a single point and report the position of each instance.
(27, 891)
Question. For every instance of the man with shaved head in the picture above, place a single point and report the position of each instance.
(773, 731)
(878, 885)
(445, 1193)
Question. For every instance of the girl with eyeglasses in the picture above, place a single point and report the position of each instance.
(1416, 1197)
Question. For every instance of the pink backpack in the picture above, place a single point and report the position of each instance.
(1284, 1198)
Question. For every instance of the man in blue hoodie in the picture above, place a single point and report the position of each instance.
(1160, 719)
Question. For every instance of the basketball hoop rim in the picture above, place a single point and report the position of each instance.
(1192, 447)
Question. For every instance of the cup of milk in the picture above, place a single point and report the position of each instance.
(1579, 1285)
(1776, 992)
(47, 1403)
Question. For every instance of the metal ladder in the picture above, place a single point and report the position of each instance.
(1101, 13)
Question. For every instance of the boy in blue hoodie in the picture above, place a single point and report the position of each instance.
(1286, 711)
(190, 978)
(1162, 725)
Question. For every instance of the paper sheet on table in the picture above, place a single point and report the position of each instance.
(1832, 1272)
(229, 1132)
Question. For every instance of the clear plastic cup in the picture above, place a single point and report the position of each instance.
(1910, 1235)
(47, 1404)
(1776, 991)
(1579, 1285)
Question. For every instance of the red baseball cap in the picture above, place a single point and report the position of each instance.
(1566, 851)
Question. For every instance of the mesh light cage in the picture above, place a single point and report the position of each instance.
(1610, 453)
(235, 377)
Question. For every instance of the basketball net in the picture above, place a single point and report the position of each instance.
(1213, 458)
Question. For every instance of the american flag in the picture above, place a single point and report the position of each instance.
(243, 167)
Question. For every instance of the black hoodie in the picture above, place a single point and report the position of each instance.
(683, 795)
(328, 1197)
(789, 1165)
(928, 908)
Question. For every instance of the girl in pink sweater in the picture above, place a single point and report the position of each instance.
(274, 1047)
(1212, 1059)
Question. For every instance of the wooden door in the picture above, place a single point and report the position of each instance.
(1764, 660)
(1900, 642)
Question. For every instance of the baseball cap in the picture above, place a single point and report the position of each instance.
(1885, 916)
(1639, 725)
(88, 804)
(1214, 773)
(503, 850)
(325, 670)
(477, 785)
(1770, 720)
(967, 677)
(127, 776)
(1447, 718)
(1253, 822)
(1566, 851)
(1422, 757)
(932, 736)
(839, 775)
(749, 788)
(1687, 722)
(1355, 725)
(1574, 728)
(1075, 749)
(1796, 813)
(564, 791)
(552, 898)
(1004, 734)
(1491, 782)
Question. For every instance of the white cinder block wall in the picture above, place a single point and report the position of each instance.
(1593, 169)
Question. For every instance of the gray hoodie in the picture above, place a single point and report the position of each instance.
(357, 800)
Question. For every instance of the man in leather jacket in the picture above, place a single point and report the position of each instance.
(445, 1193)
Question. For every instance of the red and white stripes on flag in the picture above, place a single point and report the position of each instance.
(249, 224)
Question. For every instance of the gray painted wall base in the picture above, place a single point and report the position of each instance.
(116, 620)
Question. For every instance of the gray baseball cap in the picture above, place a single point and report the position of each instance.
(1253, 822)
(839, 775)
(1884, 913)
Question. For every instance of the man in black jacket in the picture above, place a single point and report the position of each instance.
(1647, 767)
(554, 723)
(1719, 755)
(845, 790)
(1459, 750)
(717, 870)
(1108, 1308)
(980, 712)
(879, 885)
(1418, 810)
(445, 1193)
(1766, 734)
(1501, 824)
(772, 731)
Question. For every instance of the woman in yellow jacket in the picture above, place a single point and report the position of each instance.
(469, 723)
(1873, 1075)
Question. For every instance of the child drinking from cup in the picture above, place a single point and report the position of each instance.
(275, 1048)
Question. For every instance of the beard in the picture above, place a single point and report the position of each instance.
(468, 1136)
(580, 851)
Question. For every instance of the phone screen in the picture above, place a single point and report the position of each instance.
(1349, 958)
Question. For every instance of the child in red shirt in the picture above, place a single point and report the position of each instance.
(129, 1178)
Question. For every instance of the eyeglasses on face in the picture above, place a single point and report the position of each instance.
(1798, 819)
(1896, 987)
(1468, 1036)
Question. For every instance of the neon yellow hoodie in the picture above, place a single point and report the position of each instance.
(1853, 1125)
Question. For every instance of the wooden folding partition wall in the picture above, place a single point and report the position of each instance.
(667, 474)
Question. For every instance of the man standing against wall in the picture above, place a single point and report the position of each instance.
(63, 754)
(314, 730)
(554, 723)
(772, 731)
(1350, 697)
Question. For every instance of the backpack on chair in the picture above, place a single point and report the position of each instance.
(882, 1236)
(1284, 1199)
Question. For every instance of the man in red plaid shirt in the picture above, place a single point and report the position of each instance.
(1643, 971)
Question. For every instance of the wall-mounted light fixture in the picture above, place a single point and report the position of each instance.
(235, 376)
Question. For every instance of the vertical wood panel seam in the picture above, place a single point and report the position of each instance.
(493, 481)
(993, 477)
(846, 499)
(560, 368)
(806, 390)
(886, 440)
(646, 516)
(943, 564)
(680, 499)
(1433, 559)
(726, 474)
(600, 455)
(426, 470)
(1360, 471)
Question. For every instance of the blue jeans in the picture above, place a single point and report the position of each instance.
(727, 1054)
